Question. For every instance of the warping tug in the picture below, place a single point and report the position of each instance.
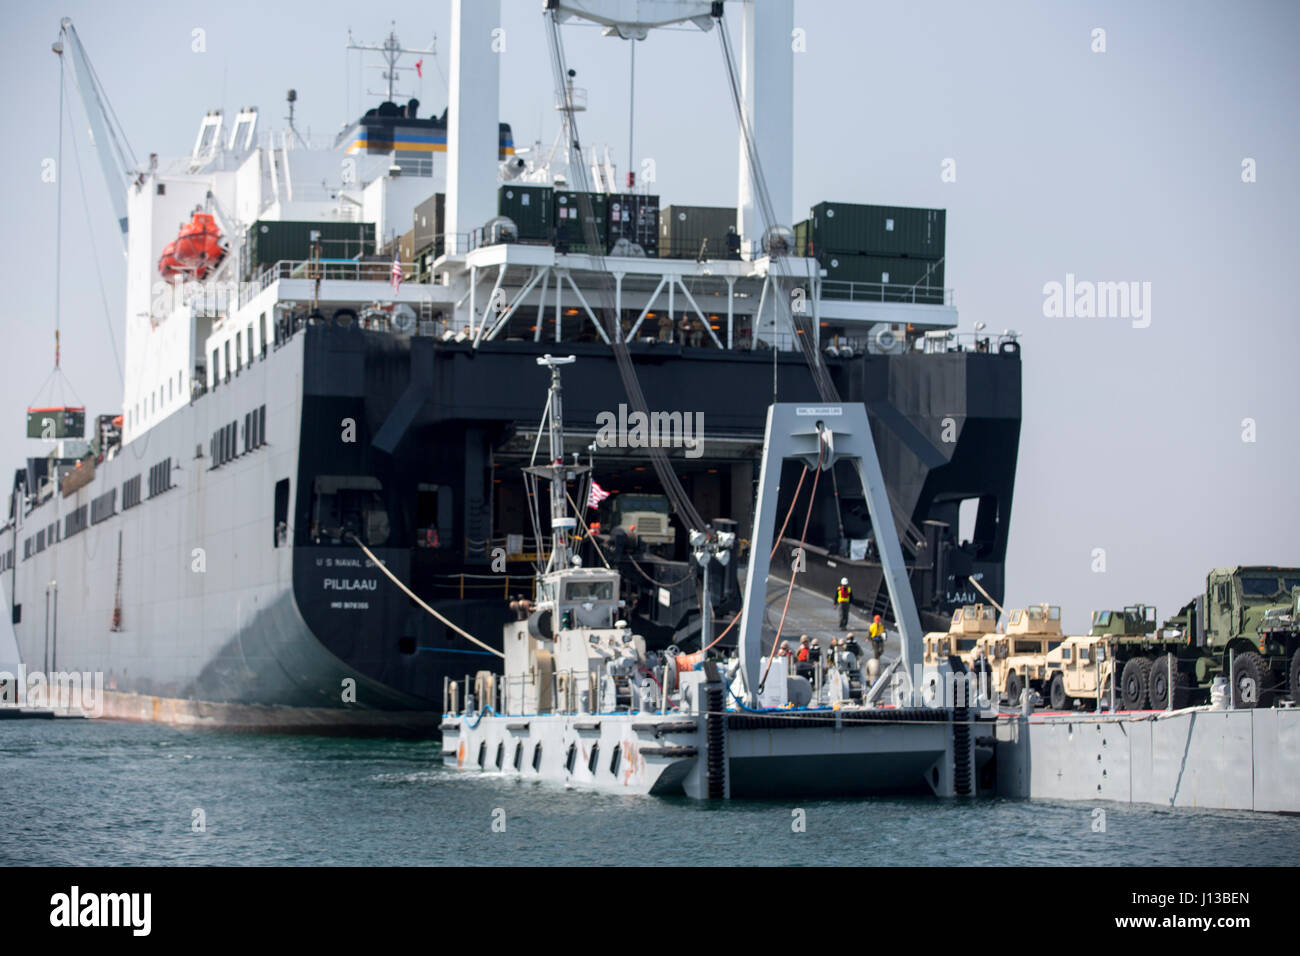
(584, 702)
(316, 337)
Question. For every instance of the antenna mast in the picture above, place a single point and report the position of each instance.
(391, 51)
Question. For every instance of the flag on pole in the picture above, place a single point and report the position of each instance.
(396, 274)
(418, 64)
(598, 494)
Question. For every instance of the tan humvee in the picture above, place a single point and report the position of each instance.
(1018, 658)
(969, 623)
(1080, 668)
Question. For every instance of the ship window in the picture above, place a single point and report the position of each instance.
(613, 761)
(537, 757)
(589, 590)
(594, 760)
(162, 189)
(262, 329)
(281, 529)
(571, 758)
(345, 505)
(227, 362)
(519, 755)
(249, 337)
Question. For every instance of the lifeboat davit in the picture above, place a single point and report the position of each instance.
(195, 252)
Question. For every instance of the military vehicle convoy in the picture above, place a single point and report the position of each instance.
(1244, 627)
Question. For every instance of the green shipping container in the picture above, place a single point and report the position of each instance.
(878, 230)
(50, 423)
(686, 232)
(529, 207)
(271, 241)
(571, 230)
(428, 222)
(882, 278)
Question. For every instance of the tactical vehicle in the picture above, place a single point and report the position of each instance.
(1019, 657)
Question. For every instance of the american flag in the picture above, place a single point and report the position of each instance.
(598, 494)
(397, 275)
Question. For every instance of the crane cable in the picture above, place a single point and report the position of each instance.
(789, 591)
(683, 507)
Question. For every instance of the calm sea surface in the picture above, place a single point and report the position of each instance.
(105, 793)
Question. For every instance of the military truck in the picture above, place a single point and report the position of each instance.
(648, 516)
(1244, 626)
(1083, 667)
(969, 624)
(1018, 658)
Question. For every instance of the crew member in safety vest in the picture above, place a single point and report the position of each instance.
(843, 595)
(877, 634)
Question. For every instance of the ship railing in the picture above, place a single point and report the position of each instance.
(843, 290)
(511, 547)
(346, 270)
(464, 584)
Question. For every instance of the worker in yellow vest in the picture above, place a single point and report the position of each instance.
(877, 634)
(843, 597)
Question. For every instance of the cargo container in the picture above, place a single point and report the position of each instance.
(59, 422)
(570, 230)
(689, 232)
(877, 230)
(632, 217)
(802, 230)
(428, 224)
(881, 278)
(529, 208)
(270, 241)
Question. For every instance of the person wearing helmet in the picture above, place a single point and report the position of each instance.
(843, 597)
(877, 634)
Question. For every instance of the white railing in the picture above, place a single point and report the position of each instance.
(885, 292)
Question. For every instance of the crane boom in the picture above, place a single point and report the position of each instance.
(106, 136)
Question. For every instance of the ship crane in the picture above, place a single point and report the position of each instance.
(115, 156)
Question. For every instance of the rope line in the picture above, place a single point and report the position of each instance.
(414, 597)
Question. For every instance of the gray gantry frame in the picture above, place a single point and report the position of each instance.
(794, 431)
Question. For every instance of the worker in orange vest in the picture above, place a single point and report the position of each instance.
(843, 597)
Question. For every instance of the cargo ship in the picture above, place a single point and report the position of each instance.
(331, 345)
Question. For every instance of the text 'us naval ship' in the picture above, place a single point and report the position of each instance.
(302, 516)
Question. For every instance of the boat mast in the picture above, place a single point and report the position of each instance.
(562, 525)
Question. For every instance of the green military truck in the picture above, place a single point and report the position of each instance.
(1245, 626)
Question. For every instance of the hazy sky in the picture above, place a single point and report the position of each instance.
(1123, 165)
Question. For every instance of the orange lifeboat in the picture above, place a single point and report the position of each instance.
(168, 265)
(196, 250)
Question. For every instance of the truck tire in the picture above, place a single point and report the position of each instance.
(1013, 689)
(1056, 691)
(1133, 683)
(1250, 680)
(1158, 684)
(1295, 677)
